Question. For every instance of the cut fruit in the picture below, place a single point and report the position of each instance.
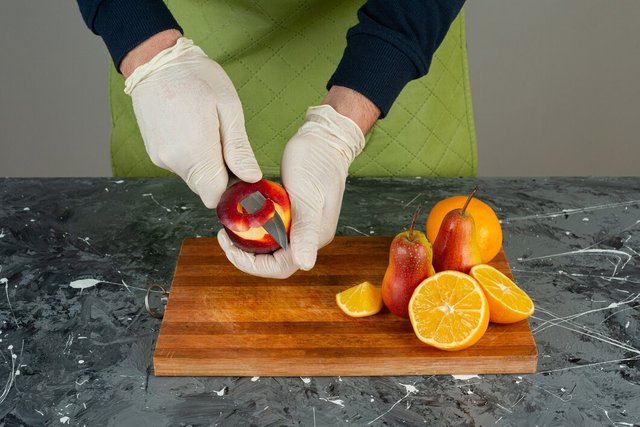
(360, 300)
(507, 302)
(449, 311)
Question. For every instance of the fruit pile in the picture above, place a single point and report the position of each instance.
(447, 290)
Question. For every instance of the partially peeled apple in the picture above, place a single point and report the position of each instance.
(246, 229)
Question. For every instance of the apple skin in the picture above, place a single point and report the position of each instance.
(244, 229)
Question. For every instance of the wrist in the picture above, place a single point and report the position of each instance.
(353, 105)
(146, 50)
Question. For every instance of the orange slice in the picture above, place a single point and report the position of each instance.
(449, 311)
(507, 302)
(360, 300)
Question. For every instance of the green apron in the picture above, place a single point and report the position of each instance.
(280, 54)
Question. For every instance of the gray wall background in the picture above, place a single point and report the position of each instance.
(555, 85)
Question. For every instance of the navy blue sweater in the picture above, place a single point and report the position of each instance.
(392, 43)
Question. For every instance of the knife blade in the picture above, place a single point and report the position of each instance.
(275, 226)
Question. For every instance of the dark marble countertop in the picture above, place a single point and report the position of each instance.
(84, 357)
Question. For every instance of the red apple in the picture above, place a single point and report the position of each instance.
(244, 229)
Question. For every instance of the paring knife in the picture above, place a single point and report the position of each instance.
(275, 226)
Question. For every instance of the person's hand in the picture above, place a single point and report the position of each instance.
(314, 171)
(191, 120)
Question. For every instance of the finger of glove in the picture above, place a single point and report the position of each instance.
(208, 179)
(305, 231)
(278, 265)
(179, 123)
(238, 154)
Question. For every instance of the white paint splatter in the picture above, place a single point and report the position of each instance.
(80, 362)
(4, 281)
(585, 219)
(558, 321)
(587, 365)
(333, 400)
(12, 374)
(356, 230)
(305, 380)
(571, 211)
(2, 233)
(89, 283)
(65, 420)
(615, 423)
(506, 409)
(67, 345)
(627, 325)
(465, 377)
(119, 181)
(618, 254)
(222, 391)
(410, 389)
(411, 201)
(26, 209)
(84, 283)
(156, 202)
(254, 379)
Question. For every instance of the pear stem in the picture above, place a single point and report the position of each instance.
(413, 222)
(473, 193)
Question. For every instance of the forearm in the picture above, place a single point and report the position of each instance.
(146, 50)
(353, 105)
(125, 24)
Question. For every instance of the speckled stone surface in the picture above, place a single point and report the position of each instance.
(84, 357)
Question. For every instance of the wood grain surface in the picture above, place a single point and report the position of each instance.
(222, 322)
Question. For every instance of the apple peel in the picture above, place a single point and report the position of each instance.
(246, 229)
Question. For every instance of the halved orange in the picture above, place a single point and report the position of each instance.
(449, 311)
(360, 300)
(507, 302)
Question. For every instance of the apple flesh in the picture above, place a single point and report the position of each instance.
(246, 229)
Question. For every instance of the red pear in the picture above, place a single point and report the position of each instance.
(410, 257)
(456, 247)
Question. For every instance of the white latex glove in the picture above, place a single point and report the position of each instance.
(314, 171)
(191, 120)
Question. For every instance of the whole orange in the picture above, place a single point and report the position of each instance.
(488, 230)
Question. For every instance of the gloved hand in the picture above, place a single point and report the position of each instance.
(191, 120)
(314, 171)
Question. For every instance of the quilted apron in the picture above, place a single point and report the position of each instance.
(280, 54)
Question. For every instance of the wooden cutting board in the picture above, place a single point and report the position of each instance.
(222, 322)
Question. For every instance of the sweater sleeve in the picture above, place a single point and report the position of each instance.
(392, 44)
(124, 24)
